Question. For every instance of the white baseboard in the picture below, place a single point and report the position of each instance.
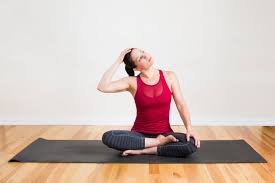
(127, 123)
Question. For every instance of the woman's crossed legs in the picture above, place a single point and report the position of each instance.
(164, 144)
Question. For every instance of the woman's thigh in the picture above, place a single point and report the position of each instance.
(126, 132)
(123, 139)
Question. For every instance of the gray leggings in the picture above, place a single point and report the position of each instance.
(125, 139)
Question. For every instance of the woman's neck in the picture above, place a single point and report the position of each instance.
(149, 73)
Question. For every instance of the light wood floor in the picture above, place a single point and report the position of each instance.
(14, 138)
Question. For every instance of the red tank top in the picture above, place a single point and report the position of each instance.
(153, 107)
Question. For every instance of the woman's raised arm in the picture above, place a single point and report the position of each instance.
(106, 84)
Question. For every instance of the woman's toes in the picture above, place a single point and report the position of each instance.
(126, 152)
(174, 139)
(164, 140)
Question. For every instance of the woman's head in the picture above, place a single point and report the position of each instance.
(137, 60)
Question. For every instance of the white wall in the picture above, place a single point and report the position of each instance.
(53, 54)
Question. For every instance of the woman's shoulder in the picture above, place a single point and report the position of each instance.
(168, 74)
(132, 80)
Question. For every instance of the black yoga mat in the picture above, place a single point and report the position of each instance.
(94, 151)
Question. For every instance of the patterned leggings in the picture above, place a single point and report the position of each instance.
(125, 139)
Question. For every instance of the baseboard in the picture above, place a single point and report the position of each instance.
(127, 123)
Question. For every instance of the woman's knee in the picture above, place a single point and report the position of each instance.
(183, 138)
(106, 137)
(123, 139)
(111, 137)
(192, 145)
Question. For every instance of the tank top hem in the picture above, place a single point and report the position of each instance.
(148, 132)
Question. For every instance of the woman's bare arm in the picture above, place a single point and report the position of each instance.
(180, 101)
(106, 84)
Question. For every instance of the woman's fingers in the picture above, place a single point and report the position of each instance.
(127, 50)
(123, 53)
(199, 144)
(196, 140)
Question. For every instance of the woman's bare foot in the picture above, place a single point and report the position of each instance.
(127, 152)
(165, 140)
(161, 141)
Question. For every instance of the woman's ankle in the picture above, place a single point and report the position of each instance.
(151, 142)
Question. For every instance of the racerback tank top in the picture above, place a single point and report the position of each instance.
(153, 106)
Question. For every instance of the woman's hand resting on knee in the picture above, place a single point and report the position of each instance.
(190, 133)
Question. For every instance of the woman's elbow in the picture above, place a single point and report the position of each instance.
(100, 88)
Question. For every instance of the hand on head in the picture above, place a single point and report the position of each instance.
(122, 54)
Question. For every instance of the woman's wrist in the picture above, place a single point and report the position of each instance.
(188, 128)
(119, 61)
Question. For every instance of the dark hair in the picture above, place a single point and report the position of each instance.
(129, 63)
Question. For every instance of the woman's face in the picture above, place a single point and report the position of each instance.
(142, 59)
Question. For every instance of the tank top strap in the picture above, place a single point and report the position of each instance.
(139, 84)
(161, 75)
(163, 80)
(138, 79)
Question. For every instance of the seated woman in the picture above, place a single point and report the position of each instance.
(152, 91)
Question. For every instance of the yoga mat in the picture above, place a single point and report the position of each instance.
(94, 151)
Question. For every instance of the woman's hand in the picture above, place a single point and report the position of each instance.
(190, 133)
(122, 54)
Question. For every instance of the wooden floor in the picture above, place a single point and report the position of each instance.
(14, 138)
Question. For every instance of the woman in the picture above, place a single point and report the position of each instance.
(152, 90)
